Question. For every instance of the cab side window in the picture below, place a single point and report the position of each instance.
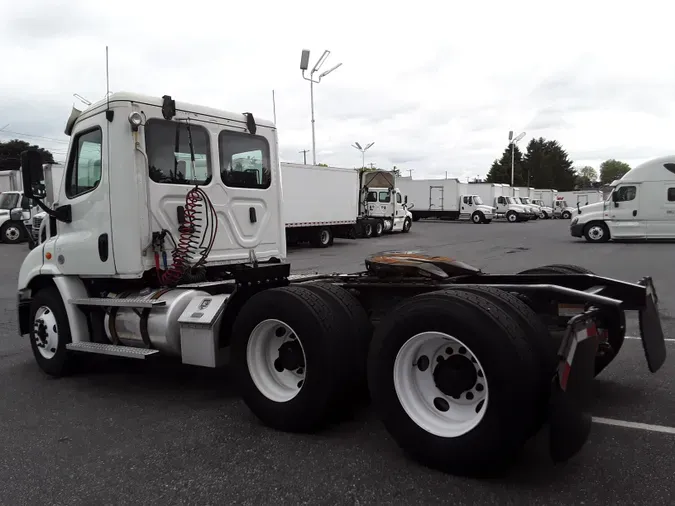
(501, 200)
(84, 165)
(671, 194)
(372, 197)
(626, 193)
(399, 200)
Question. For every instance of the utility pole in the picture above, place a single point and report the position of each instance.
(410, 172)
(372, 165)
(304, 155)
(513, 143)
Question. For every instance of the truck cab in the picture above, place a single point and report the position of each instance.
(561, 209)
(472, 207)
(381, 199)
(545, 212)
(508, 207)
(641, 205)
(15, 210)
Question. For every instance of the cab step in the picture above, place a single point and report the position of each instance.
(117, 302)
(111, 349)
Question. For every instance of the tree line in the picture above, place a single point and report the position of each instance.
(10, 154)
(545, 164)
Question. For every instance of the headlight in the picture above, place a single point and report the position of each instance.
(574, 221)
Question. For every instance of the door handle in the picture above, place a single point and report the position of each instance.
(635, 212)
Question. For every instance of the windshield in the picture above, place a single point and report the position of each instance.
(525, 200)
(511, 200)
(9, 200)
(477, 200)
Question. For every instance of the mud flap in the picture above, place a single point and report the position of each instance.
(651, 331)
(569, 424)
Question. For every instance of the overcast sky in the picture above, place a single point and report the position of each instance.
(436, 85)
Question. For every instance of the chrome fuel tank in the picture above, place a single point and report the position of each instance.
(160, 324)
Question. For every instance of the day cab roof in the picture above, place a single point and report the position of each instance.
(137, 98)
(656, 169)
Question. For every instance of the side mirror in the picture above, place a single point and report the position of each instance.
(25, 203)
(615, 199)
(16, 215)
(31, 171)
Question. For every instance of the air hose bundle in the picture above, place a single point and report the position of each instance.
(197, 236)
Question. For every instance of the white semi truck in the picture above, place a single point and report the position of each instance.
(145, 258)
(444, 199)
(321, 203)
(641, 206)
(500, 197)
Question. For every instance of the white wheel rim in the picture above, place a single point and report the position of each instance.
(12, 233)
(419, 394)
(596, 232)
(263, 355)
(512, 217)
(46, 332)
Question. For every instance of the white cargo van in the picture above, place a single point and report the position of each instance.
(641, 206)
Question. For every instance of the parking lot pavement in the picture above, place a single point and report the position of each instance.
(164, 434)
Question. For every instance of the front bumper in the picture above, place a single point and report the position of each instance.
(570, 424)
(577, 229)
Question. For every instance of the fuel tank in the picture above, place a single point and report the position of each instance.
(159, 324)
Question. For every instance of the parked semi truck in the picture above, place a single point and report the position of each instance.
(321, 203)
(444, 199)
(143, 262)
(500, 197)
(640, 206)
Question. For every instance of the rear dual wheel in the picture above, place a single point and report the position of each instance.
(458, 378)
(299, 353)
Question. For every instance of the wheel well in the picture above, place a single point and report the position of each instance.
(36, 284)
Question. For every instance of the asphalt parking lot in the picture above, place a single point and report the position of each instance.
(128, 433)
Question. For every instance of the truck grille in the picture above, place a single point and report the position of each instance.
(37, 220)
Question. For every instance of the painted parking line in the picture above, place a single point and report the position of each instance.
(634, 425)
(668, 340)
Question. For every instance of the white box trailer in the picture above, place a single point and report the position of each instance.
(321, 203)
(445, 199)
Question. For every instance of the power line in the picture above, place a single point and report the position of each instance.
(62, 141)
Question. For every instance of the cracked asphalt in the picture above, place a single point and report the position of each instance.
(136, 433)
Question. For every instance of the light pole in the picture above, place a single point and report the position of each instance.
(304, 65)
(513, 143)
(356, 145)
(304, 155)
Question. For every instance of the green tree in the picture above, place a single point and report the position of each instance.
(586, 176)
(10, 154)
(500, 172)
(547, 165)
(612, 169)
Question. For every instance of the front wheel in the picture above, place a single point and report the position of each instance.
(543, 215)
(511, 217)
(596, 232)
(406, 225)
(11, 233)
(477, 217)
(566, 215)
(50, 333)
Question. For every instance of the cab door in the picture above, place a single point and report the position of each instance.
(467, 206)
(84, 246)
(624, 218)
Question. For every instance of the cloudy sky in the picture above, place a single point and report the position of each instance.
(436, 85)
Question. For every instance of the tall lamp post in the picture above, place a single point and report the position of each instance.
(513, 143)
(304, 65)
(356, 145)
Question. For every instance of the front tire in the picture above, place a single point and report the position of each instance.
(596, 232)
(406, 225)
(454, 382)
(50, 333)
(11, 233)
(511, 217)
(477, 217)
(566, 215)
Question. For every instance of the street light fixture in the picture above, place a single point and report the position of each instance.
(304, 65)
(356, 145)
(513, 143)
